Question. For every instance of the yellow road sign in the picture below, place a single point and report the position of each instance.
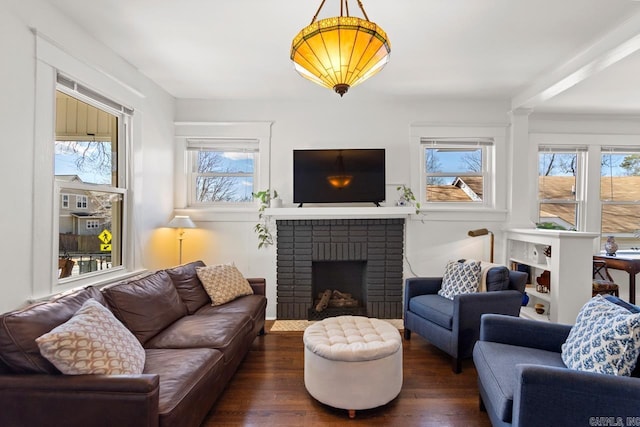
(105, 247)
(105, 236)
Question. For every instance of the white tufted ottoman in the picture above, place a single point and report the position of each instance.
(352, 362)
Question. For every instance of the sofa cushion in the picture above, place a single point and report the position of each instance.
(460, 277)
(223, 283)
(146, 306)
(496, 367)
(252, 305)
(221, 331)
(20, 328)
(189, 286)
(605, 339)
(434, 308)
(93, 341)
(190, 381)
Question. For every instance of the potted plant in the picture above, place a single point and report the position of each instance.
(263, 228)
(407, 197)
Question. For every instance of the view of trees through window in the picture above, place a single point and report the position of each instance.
(454, 174)
(558, 176)
(224, 176)
(86, 172)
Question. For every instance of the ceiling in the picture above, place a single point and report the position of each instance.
(575, 56)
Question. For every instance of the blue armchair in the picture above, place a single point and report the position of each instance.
(454, 325)
(523, 381)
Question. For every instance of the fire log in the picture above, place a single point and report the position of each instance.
(324, 301)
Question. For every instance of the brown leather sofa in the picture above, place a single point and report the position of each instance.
(192, 351)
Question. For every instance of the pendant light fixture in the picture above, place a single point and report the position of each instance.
(342, 51)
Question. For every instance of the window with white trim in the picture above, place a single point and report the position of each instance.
(222, 171)
(64, 201)
(81, 202)
(91, 134)
(457, 170)
(620, 195)
(560, 178)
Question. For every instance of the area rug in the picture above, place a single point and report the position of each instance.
(301, 325)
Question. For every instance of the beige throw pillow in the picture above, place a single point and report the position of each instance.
(93, 341)
(223, 283)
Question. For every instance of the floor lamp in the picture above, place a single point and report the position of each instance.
(181, 222)
(483, 232)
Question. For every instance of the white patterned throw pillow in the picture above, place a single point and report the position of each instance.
(223, 283)
(93, 341)
(605, 339)
(460, 277)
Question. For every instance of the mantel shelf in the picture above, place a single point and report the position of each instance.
(340, 212)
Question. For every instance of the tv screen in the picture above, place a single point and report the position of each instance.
(339, 176)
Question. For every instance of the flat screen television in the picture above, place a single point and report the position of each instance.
(339, 176)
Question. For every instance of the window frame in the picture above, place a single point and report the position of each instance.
(604, 150)
(52, 60)
(123, 150)
(220, 131)
(65, 199)
(580, 181)
(194, 146)
(495, 208)
(485, 146)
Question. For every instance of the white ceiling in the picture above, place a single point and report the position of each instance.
(517, 50)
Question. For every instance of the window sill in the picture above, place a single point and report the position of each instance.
(456, 213)
(216, 214)
(99, 280)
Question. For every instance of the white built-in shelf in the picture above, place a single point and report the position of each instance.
(570, 269)
(530, 313)
(340, 212)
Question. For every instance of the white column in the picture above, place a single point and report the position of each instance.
(522, 185)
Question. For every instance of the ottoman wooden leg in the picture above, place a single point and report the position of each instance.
(352, 413)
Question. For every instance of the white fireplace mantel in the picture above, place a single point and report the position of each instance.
(340, 212)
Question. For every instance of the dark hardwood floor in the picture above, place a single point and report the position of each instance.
(268, 390)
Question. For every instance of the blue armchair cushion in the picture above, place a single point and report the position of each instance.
(497, 279)
(605, 339)
(497, 363)
(460, 277)
(437, 309)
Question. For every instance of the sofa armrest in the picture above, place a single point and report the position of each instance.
(523, 332)
(258, 284)
(79, 400)
(415, 286)
(560, 396)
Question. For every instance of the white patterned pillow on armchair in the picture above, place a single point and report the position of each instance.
(460, 277)
(605, 339)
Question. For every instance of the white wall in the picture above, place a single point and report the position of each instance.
(152, 156)
(334, 123)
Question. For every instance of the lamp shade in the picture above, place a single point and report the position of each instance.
(340, 52)
(181, 221)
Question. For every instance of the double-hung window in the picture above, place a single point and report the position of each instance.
(91, 134)
(222, 171)
(457, 170)
(560, 178)
(620, 194)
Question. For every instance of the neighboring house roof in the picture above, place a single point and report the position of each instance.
(465, 189)
(617, 218)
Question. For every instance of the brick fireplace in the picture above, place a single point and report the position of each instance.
(363, 257)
